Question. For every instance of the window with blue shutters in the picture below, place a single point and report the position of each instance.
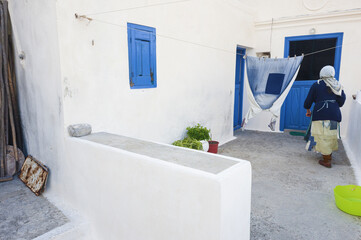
(142, 56)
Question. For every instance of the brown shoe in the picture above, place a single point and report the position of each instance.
(326, 162)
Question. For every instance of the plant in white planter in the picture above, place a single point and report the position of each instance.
(189, 143)
(198, 135)
(203, 135)
(199, 132)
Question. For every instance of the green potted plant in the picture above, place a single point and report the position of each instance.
(213, 146)
(189, 143)
(200, 133)
(203, 134)
(199, 138)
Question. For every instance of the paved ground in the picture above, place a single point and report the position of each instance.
(24, 215)
(292, 196)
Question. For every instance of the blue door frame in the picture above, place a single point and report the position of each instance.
(238, 92)
(300, 87)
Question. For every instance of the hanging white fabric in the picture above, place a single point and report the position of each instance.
(269, 81)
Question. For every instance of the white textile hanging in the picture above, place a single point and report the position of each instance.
(269, 81)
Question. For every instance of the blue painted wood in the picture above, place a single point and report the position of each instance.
(142, 56)
(274, 83)
(293, 115)
(238, 92)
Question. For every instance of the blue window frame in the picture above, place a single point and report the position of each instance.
(337, 51)
(142, 56)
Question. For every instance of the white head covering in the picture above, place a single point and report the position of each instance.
(327, 74)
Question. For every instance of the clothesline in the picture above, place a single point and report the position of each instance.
(190, 42)
(138, 7)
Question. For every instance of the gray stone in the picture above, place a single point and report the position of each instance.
(79, 130)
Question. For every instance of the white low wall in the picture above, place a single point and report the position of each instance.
(353, 140)
(126, 195)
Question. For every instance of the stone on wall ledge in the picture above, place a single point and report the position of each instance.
(79, 130)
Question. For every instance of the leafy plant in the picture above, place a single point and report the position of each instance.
(199, 132)
(189, 143)
(195, 134)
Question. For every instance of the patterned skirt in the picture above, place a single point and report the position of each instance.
(324, 135)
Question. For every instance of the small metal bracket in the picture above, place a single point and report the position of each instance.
(151, 76)
(77, 16)
(22, 56)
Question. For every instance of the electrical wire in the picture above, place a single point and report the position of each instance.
(132, 8)
(270, 38)
(194, 43)
(168, 37)
(323, 50)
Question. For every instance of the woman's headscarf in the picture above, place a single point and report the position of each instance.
(327, 74)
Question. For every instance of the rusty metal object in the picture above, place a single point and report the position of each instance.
(34, 174)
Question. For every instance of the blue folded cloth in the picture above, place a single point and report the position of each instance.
(274, 83)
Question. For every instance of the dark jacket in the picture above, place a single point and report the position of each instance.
(327, 104)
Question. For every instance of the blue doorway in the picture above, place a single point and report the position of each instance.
(238, 92)
(327, 51)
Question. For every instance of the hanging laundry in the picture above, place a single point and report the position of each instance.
(269, 81)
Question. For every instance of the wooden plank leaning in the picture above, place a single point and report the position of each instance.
(2, 113)
(4, 40)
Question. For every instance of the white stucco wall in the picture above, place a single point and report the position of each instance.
(195, 83)
(38, 82)
(347, 22)
(353, 140)
(126, 195)
(288, 9)
(123, 194)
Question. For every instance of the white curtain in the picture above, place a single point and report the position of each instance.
(260, 72)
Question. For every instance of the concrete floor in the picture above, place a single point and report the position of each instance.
(292, 195)
(24, 215)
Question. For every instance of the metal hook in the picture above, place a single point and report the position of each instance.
(83, 16)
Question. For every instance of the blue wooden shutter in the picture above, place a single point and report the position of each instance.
(142, 56)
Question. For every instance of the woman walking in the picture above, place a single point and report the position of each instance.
(328, 95)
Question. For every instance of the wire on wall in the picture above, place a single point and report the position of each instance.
(138, 7)
(198, 44)
(270, 39)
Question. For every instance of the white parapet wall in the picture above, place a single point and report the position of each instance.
(353, 140)
(133, 189)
